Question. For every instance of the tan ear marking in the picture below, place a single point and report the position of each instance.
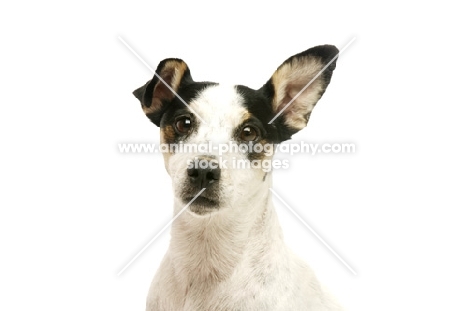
(171, 74)
(298, 84)
(289, 80)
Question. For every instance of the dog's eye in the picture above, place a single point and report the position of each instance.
(183, 125)
(249, 133)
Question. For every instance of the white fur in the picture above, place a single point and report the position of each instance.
(234, 258)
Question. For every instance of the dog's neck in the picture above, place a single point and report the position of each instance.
(206, 250)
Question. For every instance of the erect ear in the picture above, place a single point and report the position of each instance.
(171, 74)
(298, 84)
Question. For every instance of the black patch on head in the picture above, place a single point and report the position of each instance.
(261, 112)
(259, 106)
(175, 108)
(284, 132)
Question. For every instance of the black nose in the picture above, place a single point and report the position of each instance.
(203, 173)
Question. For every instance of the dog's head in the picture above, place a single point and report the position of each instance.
(220, 137)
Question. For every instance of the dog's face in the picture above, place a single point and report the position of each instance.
(221, 138)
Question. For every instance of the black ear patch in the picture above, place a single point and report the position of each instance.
(156, 94)
(297, 85)
(140, 92)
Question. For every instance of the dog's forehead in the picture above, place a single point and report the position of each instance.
(222, 108)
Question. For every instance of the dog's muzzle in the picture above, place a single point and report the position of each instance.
(203, 173)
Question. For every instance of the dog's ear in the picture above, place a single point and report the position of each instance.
(155, 94)
(297, 85)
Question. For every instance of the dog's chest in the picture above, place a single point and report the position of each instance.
(256, 284)
(241, 293)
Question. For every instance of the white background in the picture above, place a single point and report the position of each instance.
(74, 211)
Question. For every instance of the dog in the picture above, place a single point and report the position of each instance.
(226, 250)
